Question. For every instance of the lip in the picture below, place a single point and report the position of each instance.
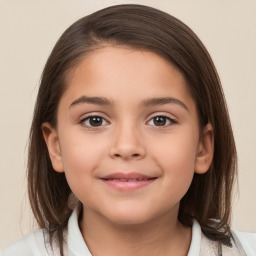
(128, 181)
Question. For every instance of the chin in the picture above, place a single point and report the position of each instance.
(129, 216)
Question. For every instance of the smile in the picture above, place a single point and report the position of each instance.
(127, 181)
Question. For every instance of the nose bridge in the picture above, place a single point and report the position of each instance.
(127, 141)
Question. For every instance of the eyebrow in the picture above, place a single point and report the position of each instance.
(92, 100)
(147, 103)
(163, 101)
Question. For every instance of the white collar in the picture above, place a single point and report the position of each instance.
(195, 245)
(77, 246)
(76, 243)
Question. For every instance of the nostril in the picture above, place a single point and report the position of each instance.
(127, 153)
(132, 156)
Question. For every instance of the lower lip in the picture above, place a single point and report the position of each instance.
(128, 185)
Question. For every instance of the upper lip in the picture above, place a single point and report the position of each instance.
(128, 176)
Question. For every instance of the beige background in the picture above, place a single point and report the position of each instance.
(29, 30)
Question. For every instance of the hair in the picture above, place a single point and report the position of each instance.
(145, 28)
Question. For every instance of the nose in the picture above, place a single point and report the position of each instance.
(127, 144)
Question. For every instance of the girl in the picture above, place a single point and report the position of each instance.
(131, 148)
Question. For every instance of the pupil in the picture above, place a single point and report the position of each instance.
(95, 121)
(159, 120)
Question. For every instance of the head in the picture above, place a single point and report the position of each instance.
(146, 30)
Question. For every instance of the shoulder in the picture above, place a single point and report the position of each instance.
(33, 245)
(241, 243)
(248, 241)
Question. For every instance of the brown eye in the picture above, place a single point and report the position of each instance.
(94, 121)
(161, 121)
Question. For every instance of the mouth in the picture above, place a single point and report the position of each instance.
(128, 181)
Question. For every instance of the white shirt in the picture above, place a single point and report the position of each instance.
(36, 244)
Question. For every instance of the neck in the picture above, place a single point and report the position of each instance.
(164, 235)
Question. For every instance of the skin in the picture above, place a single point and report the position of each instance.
(143, 221)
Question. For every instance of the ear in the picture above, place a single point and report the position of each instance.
(205, 150)
(53, 145)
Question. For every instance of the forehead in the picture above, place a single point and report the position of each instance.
(124, 74)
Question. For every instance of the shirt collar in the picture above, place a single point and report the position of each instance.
(195, 245)
(77, 245)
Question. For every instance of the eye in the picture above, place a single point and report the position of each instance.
(94, 121)
(161, 121)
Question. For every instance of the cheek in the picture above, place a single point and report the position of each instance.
(176, 157)
(80, 150)
(177, 150)
(81, 156)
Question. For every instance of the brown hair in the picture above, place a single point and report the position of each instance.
(209, 196)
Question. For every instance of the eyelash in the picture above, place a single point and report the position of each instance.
(167, 118)
(88, 118)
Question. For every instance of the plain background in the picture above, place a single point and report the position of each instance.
(29, 30)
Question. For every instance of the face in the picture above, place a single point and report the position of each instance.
(127, 135)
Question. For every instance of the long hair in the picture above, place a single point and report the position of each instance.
(140, 27)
